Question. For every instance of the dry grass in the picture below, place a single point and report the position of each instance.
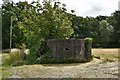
(107, 53)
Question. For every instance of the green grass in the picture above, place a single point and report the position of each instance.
(5, 65)
(6, 59)
(5, 71)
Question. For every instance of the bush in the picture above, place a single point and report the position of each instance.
(18, 63)
(58, 60)
(88, 47)
(45, 59)
(37, 47)
(17, 58)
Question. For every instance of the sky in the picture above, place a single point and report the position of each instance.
(89, 8)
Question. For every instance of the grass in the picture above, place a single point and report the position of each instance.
(5, 71)
(5, 59)
(5, 65)
(106, 54)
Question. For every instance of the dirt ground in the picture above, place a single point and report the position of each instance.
(97, 68)
(94, 69)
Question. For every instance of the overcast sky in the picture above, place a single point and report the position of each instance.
(88, 7)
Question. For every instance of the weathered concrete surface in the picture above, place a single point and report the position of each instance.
(68, 48)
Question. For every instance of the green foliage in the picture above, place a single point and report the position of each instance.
(52, 23)
(89, 41)
(97, 28)
(114, 20)
(106, 30)
(88, 47)
(33, 24)
(36, 47)
(51, 60)
(11, 9)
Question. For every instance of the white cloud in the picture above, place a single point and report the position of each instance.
(119, 6)
(92, 7)
(88, 7)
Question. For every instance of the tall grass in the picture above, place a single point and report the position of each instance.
(14, 59)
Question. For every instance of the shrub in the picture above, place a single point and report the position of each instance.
(88, 47)
(37, 47)
(45, 59)
(16, 58)
(18, 63)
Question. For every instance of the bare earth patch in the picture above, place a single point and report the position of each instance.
(93, 69)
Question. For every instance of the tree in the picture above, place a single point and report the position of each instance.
(5, 26)
(114, 20)
(33, 24)
(105, 32)
(97, 28)
(100, 18)
(51, 23)
(23, 15)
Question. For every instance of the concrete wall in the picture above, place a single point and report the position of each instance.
(67, 48)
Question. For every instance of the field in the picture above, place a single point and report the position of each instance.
(110, 53)
(103, 65)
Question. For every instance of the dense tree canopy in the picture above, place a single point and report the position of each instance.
(35, 23)
(114, 20)
(47, 21)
